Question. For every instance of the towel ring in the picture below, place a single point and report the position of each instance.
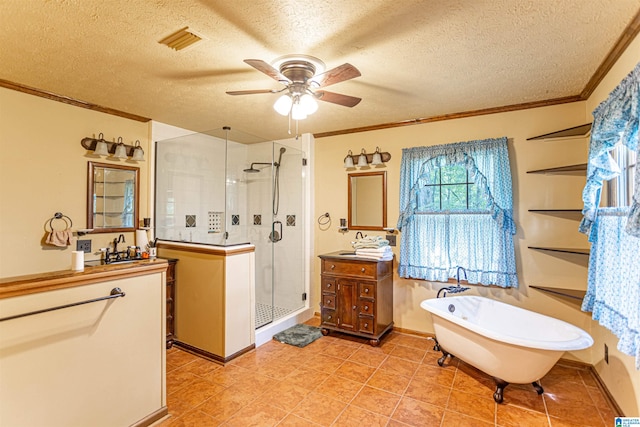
(60, 215)
(324, 219)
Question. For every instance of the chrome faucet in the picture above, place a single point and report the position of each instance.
(458, 275)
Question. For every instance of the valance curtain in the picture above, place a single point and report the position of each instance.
(480, 239)
(613, 290)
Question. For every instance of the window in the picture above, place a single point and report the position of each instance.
(613, 289)
(449, 189)
(456, 211)
(620, 189)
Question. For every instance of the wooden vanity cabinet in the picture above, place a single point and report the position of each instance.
(357, 296)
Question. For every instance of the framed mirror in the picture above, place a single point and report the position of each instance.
(112, 197)
(368, 201)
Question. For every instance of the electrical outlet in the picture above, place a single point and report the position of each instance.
(83, 245)
(606, 354)
(392, 239)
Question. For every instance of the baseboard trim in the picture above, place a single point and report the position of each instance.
(152, 418)
(210, 356)
(566, 362)
(605, 391)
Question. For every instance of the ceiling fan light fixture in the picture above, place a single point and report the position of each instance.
(297, 112)
(308, 104)
(283, 105)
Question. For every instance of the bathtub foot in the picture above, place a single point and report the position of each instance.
(500, 386)
(444, 357)
(436, 347)
(538, 387)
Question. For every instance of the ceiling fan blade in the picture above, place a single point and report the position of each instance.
(251, 92)
(335, 75)
(338, 98)
(264, 67)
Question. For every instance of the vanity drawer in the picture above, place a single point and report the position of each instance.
(367, 290)
(350, 268)
(329, 317)
(328, 285)
(366, 307)
(329, 301)
(366, 324)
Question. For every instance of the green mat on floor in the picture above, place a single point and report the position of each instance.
(299, 335)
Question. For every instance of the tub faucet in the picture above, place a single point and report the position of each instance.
(458, 275)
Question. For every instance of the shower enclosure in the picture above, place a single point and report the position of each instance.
(225, 188)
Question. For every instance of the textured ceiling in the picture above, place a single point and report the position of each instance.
(418, 59)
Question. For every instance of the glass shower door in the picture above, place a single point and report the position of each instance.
(288, 231)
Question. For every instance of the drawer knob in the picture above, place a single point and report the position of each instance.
(328, 285)
(354, 307)
(328, 317)
(366, 325)
(366, 291)
(333, 266)
(362, 269)
(366, 307)
(328, 301)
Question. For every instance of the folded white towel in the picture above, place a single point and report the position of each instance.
(382, 250)
(372, 242)
(376, 258)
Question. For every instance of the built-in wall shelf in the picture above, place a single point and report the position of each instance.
(579, 251)
(568, 293)
(555, 210)
(582, 130)
(581, 167)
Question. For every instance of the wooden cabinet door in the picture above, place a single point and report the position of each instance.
(346, 304)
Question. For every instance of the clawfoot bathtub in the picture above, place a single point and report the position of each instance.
(511, 344)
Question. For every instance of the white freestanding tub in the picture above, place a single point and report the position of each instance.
(511, 344)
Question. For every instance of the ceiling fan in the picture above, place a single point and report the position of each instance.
(302, 75)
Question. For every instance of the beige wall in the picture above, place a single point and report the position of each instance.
(531, 191)
(43, 170)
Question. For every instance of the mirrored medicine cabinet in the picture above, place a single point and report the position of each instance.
(112, 197)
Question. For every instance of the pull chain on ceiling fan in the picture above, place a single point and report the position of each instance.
(302, 75)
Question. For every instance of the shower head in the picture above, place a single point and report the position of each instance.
(254, 170)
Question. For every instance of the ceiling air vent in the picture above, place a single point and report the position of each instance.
(181, 39)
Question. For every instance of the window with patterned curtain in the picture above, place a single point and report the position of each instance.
(613, 289)
(457, 211)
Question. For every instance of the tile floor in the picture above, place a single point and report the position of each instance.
(342, 381)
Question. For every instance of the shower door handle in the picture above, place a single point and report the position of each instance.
(275, 236)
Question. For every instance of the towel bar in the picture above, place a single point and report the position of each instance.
(115, 293)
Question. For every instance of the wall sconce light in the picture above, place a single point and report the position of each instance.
(348, 161)
(118, 150)
(363, 159)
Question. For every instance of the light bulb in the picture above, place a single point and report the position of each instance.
(283, 105)
(348, 161)
(308, 104)
(121, 151)
(377, 157)
(138, 154)
(101, 148)
(297, 112)
(362, 159)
